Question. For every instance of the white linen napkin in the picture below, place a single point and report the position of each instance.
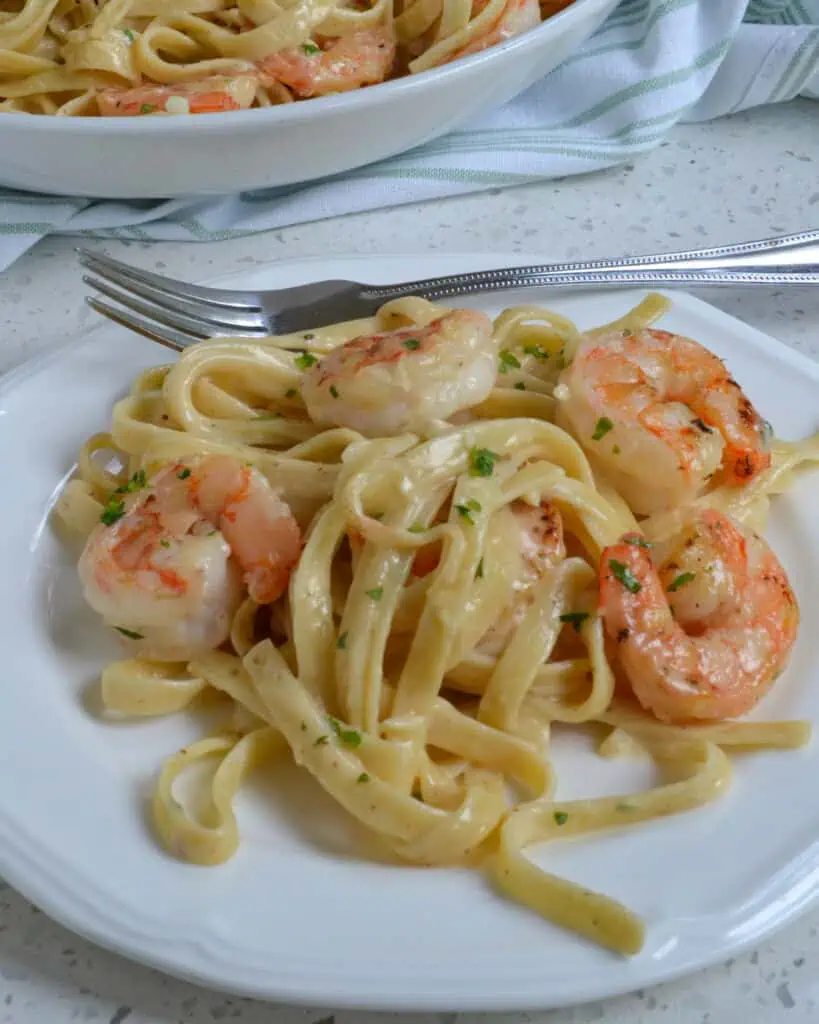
(652, 64)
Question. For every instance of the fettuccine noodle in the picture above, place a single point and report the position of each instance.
(374, 677)
(157, 57)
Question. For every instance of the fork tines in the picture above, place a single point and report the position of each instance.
(173, 313)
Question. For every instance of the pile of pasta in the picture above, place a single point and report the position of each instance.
(56, 56)
(371, 678)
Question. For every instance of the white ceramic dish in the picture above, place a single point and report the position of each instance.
(155, 157)
(299, 915)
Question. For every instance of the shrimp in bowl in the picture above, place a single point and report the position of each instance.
(704, 629)
(406, 379)
(175, 554)
(490, 23)
(661, 417)
(214, 94)
(516, 17)
(332, 65)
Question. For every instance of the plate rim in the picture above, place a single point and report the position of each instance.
(40, 884)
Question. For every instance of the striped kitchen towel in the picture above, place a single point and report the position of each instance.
(652, 64)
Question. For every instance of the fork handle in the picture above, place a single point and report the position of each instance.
(789, 259)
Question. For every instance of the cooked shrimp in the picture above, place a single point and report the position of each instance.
(405, 379)
(527, 539)
(169, 563)
(212, 95)
(540, 532)
(661, 416)
(517, 17)
(703, 635)
(541, 540)
(335, 65)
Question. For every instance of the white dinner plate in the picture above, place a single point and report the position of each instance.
(300, 915)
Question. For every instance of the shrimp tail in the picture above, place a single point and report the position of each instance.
(746, 454)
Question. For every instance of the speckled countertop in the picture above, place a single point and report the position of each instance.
(741, 178)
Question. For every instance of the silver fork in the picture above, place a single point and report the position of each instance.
(177, 314)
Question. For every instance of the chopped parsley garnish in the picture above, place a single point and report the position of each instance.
(603, 426)
(638, 542)
(616, 450)
(411, 343)
(305, 360)
(376, 594)
(681, 581)
(536, 351)
(479, 570)
(310, 48)
(341, 643)
(349, 737)
(519, 385)
(129, 633)
(183, 474)
(147, 108)
(136, 483)
(290, 393)
(575, 619)
(114, 510)
(508, 360)
(467, 510)
(363, 777)
(166, 543)
(417, 528)
(129, 35)
(561, 817)
(482, 461)
(625, 576)
(334, 391)
(321, 741)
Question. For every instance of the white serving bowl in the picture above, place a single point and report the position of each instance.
(159, 157)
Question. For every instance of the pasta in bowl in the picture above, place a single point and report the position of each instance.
(409, 587)
(122, 76)
(142, 58)
(139, 58)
